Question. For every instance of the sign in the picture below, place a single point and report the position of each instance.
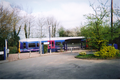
(46, 42)
(8, 50)
(49, 45)
(1, 52)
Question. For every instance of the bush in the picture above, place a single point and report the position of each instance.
(13, 49)
(107, 52)
(117, 52)
(82, 53)
(45, 48)
(61, 47)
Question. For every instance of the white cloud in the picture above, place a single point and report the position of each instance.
(75, 12)
(70, 14)
(6, 5)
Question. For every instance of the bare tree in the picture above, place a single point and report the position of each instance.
(28, 23)
(16, 25)
(41, 23)
(75, 31)
(54, 24)
(54, 28)
(117, 12)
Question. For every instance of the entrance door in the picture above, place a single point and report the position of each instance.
(52, 44)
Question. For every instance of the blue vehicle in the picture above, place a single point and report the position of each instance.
(33, 44)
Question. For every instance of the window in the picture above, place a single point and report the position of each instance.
(52, 43)
(63, 43)
(31, 44)
(57, 43)
(24, 45)
(37, 44)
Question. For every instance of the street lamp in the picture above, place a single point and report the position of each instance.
(49, 39)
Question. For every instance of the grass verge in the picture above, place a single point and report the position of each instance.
(91, 56)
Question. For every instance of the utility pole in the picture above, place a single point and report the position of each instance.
(112, 22)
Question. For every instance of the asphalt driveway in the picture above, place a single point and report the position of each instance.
(60, 66)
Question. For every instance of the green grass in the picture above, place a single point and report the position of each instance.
(85, 56)
(118, 55)
(91, 56)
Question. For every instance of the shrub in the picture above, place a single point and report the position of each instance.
(97, 54)
(117, 52)
(107, 52)
(61, 47)
(82, 53)
(45, 48)
(13, 49)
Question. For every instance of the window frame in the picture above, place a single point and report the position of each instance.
(31, 46)
(57, 43)
(37, 44)
(24, 45)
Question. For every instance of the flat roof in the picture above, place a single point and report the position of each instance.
(46, 39)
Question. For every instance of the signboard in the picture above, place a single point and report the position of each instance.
(1, 52)
(8, 50)
(46, 42)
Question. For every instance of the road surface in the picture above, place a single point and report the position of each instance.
(60, 66)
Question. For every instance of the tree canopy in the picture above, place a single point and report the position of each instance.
(98, 29)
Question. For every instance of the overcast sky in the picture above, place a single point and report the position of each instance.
(68, 12)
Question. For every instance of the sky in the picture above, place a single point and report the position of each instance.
(68, 12)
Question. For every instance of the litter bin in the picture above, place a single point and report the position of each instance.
(115, 45)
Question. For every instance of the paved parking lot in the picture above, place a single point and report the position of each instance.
(14, 57)
(60, 66)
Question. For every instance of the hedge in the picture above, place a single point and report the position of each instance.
(45, 48)
(13, 49)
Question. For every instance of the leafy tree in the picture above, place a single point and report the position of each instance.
(117, 33)
(9, 28)
(69, 33)
(117, 25)
(61, 32)
(97, 29)
(5, 25)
